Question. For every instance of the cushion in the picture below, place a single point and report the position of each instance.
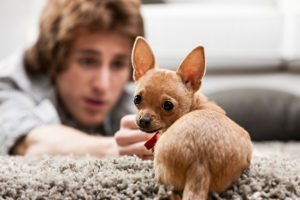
(265, 114)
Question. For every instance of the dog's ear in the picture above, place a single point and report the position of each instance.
(192, 69)
(142, 58)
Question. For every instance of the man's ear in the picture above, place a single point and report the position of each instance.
(192, 69)
(142, 58)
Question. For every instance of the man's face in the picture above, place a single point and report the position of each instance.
(98, 68)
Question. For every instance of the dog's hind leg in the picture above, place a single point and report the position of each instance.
(197, 183)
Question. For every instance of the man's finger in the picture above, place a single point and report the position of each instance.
(126, 137)
(128, 121)
(135, 149)
(147, 157)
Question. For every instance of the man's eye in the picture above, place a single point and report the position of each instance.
(118, 64)
(88, 62)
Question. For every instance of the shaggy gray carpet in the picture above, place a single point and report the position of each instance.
(275, 175)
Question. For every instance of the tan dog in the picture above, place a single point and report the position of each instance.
(199, 150)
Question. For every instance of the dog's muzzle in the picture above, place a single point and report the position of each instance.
(144, 122)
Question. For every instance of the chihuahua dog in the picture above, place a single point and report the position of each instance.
(199, 149)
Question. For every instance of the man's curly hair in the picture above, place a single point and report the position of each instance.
(63, 20)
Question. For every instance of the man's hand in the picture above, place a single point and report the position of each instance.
(64, 140)
(130, 139)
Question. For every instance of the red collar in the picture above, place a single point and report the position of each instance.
(150, 143)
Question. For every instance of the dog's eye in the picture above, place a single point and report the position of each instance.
(137, 99)
(168, 105)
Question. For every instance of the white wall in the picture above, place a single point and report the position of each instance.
(18, 21)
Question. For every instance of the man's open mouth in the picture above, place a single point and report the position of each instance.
(95, 104)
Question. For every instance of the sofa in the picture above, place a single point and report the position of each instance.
(252, 57)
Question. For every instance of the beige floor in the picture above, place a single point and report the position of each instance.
(271, 149)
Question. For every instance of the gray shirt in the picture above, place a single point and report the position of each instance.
(28, 102)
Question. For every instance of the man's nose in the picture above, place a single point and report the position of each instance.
(102, 79)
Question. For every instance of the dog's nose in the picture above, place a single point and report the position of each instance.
(145, 122)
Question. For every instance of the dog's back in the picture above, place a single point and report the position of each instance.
(213, 149)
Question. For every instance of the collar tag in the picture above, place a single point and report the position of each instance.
(150, 143)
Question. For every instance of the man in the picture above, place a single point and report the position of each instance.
(66, 94)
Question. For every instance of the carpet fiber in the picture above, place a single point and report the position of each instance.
(276, 175)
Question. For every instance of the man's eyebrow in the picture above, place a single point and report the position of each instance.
(88, 52)
(97, 53)
(122, 56)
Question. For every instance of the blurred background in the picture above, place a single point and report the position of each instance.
(252, 49)
(258, 39)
